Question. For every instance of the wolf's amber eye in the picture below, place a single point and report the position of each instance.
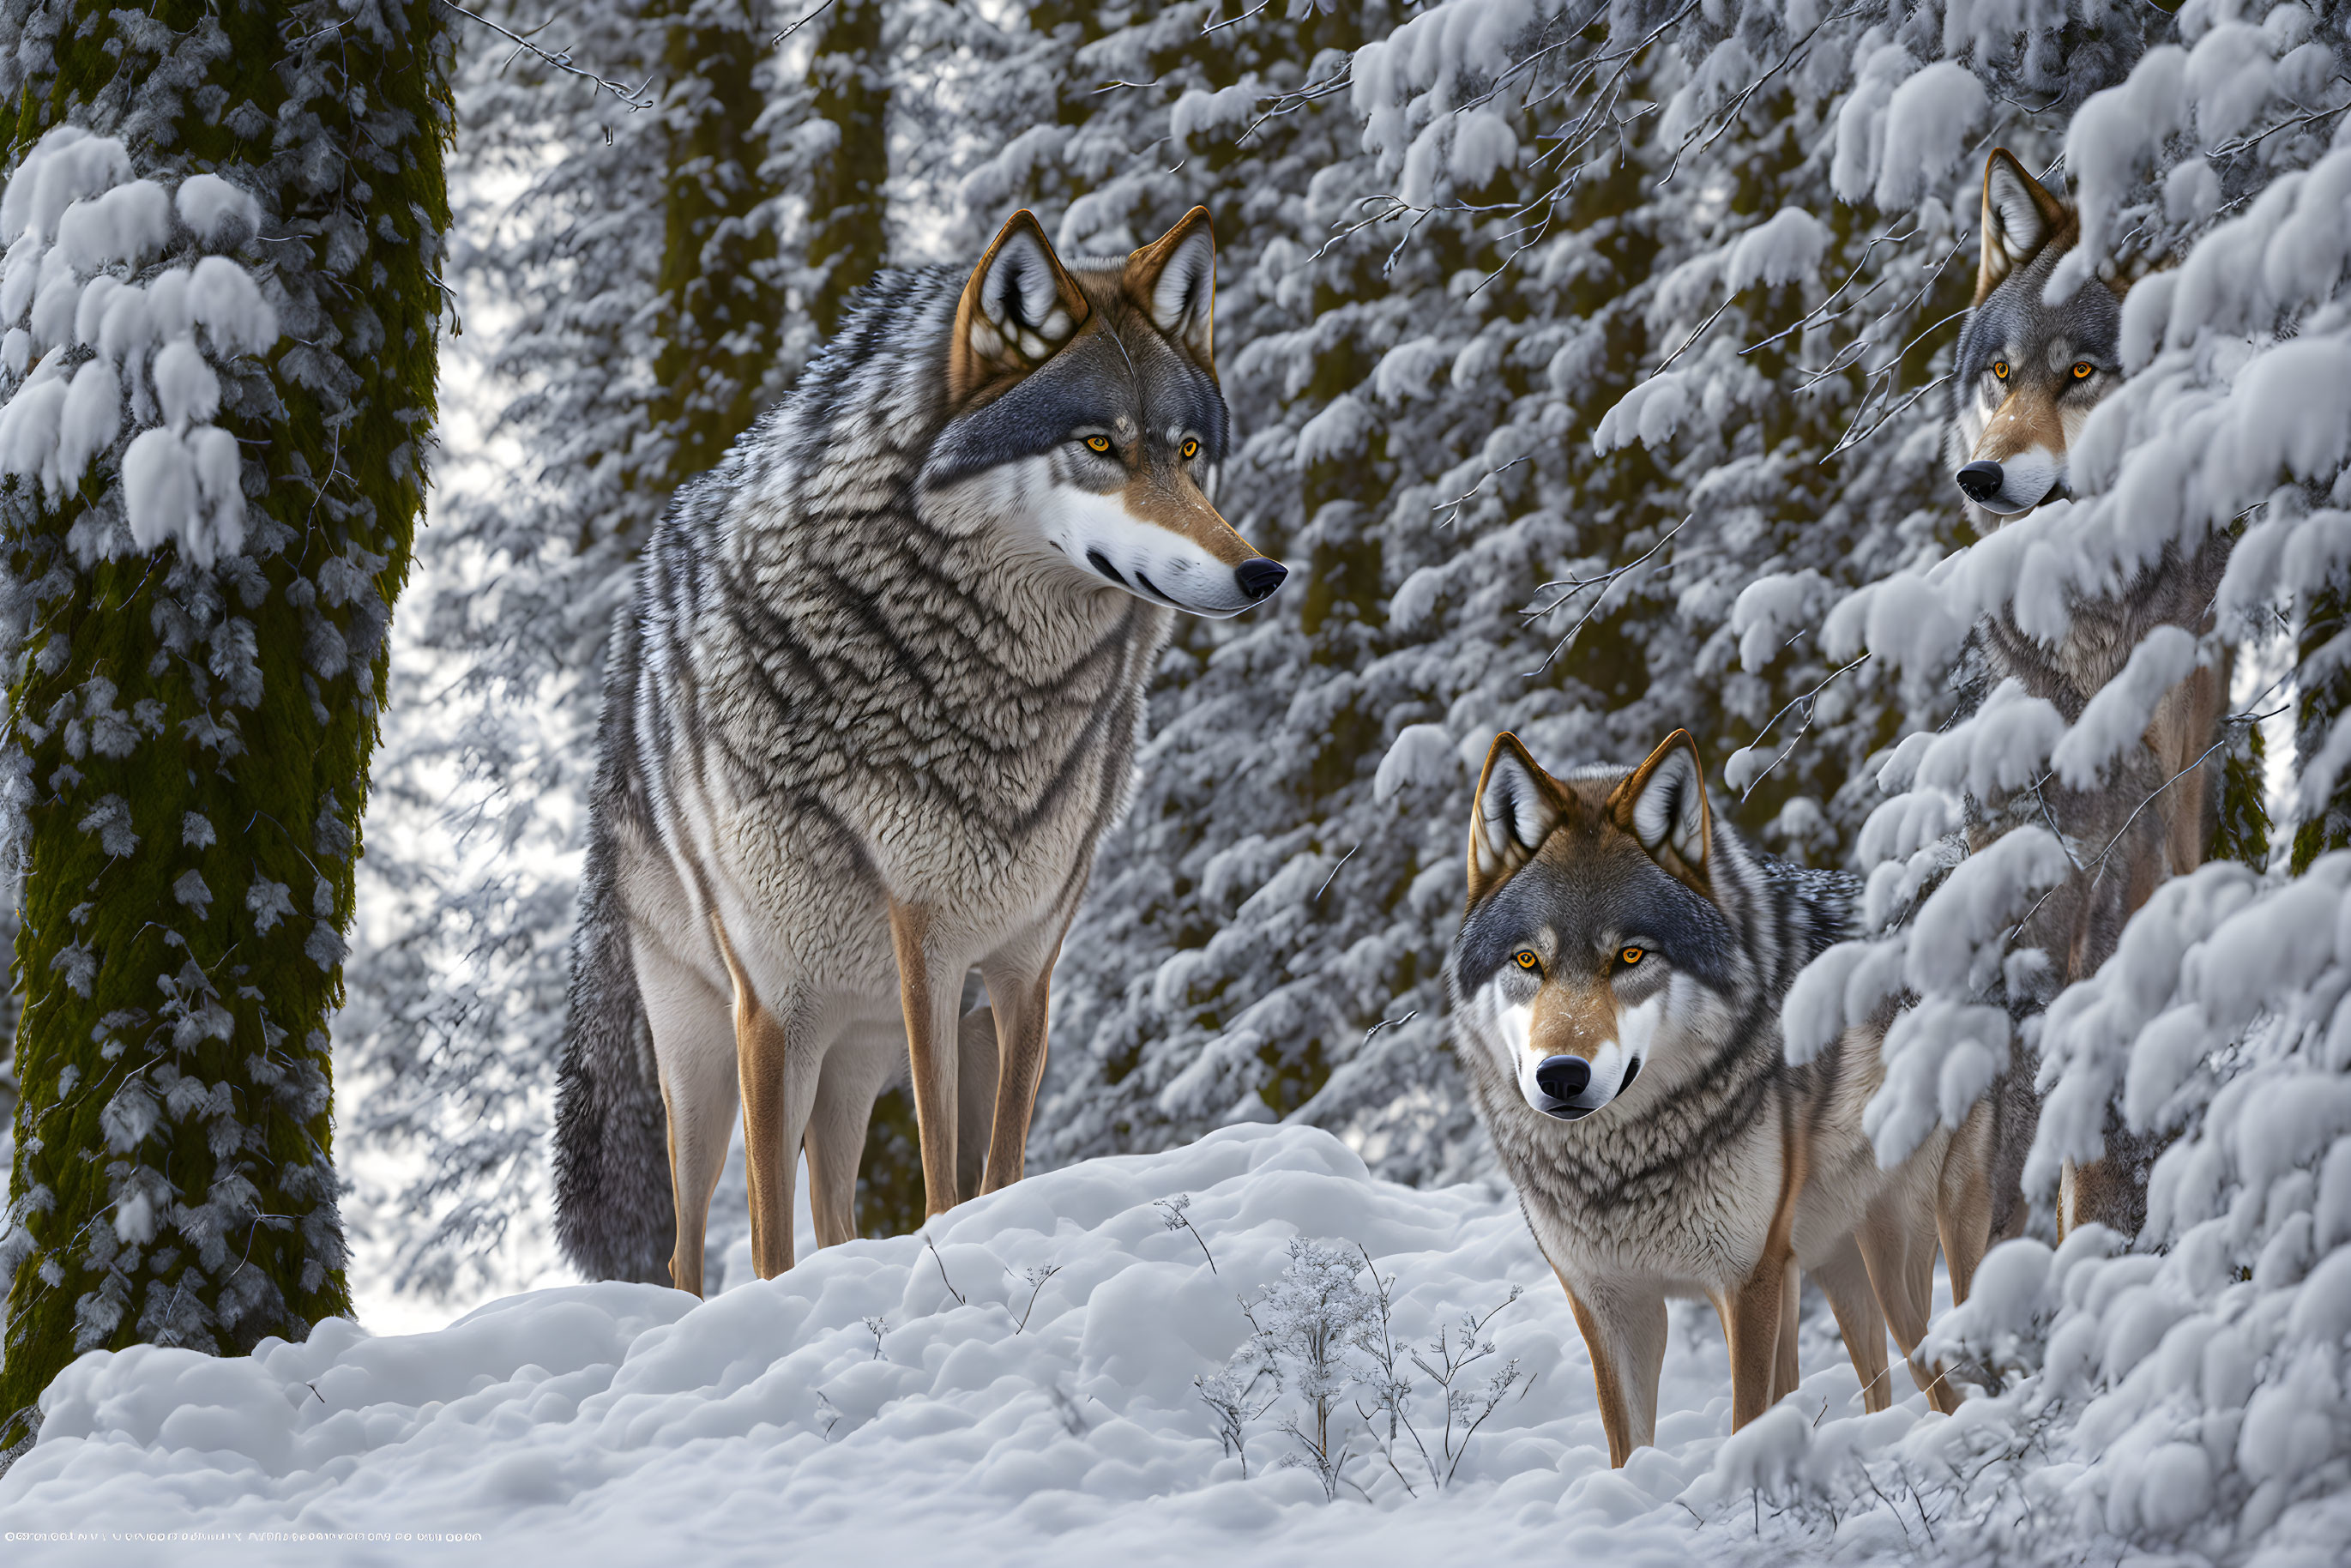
(1631, 956)
(2082, 368)
(1525, 958)
(1098, 444)
(2000, 368)
(1191, 449)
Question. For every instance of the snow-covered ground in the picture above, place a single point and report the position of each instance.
(856, 1410)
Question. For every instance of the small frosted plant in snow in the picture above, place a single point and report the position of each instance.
(1176, 1220)
(1036, 1277)
(1311, 1327)
(1320, 1335)
(1444, 1360)
(877, 1327)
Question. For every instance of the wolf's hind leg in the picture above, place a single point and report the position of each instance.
(854, 1073)
(1899, 1246)
(1624, 1329)
(974, 1098)
(1963, 1200)
(695, 1049)
(1018, 993)
(1844, 1278)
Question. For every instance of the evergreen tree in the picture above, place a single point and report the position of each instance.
(199, 596)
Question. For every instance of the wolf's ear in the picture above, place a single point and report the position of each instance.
(1174, 278)
(1020, 305)
(1518, 806)
(2019, 217)
(1663, 804)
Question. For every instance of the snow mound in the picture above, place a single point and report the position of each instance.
(884, 1396)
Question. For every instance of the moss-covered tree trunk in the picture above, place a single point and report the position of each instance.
(188, 750)
(722, 309)
(849, 238)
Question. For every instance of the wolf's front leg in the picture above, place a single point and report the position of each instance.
(1624, 1325)
(1754, 1320)
(931, 994)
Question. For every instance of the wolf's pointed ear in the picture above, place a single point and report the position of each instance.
(1518, 806)
(2019, 217)
(1663, 804)
(1174, 278)
(1020, 305)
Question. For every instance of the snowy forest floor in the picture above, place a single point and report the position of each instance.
(857, 1406)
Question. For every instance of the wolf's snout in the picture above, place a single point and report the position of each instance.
(1564, 1077)
(1259, 578)
(1981, 481)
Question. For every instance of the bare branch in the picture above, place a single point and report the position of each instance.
(636, 98)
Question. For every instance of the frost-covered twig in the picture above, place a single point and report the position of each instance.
(1177, 1219)
(942, 1263)
(812, 14)
(636, 98)
(1458, 501)
(1036, 1277)
(1811, 708)
(1604, 582)
(877, 1326)
(1334, 873)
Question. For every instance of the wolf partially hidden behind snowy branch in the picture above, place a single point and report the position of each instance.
(1617, 986)
(872, 707)
(2027, 374)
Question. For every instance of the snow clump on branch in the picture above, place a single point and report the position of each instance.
(104, 316)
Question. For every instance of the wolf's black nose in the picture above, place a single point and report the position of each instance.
(1259, 577)
(1981, 481)
(1562, 1077)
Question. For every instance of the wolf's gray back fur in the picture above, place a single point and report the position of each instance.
(817, 652)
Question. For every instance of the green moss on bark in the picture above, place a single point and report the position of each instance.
(194, 743)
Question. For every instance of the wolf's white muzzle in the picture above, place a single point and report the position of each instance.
(1100, 536)
(1569, 1088)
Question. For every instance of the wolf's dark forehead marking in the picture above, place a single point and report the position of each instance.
(2014, 323)
(1114, 370)
(1593, 900)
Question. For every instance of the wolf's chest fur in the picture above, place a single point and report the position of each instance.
(858, 706)
(1680, 1185)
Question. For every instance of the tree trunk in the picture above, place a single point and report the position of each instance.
(187, 756)
(848, 237)
(722, 314)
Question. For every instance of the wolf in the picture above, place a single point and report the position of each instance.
(872, 707)
(2026, 375)
(1616, 988)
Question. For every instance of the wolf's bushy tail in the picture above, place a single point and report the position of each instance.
(613, 1210)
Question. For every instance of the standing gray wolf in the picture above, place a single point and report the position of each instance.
(873, 705)
(2027, 375)
(1617, 988)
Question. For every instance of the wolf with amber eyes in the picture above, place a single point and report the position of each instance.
(1616, 988)
(2028, 371)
